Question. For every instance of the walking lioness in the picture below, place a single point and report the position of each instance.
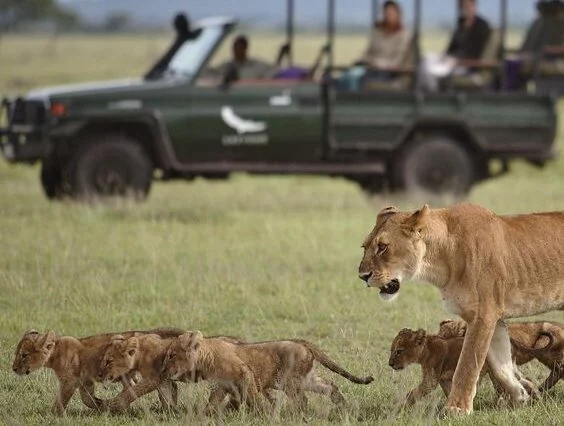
(247, 370)
(487, 267)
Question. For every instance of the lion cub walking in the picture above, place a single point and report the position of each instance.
(75, 361)
(246, 371)
(437, 356)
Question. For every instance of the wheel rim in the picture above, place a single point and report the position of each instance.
(438, 177)
(111, 178)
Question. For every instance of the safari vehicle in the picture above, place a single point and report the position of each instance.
(115, 138)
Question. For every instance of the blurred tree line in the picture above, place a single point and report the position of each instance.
(17, 13)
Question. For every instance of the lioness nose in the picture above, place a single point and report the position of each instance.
(365, 276)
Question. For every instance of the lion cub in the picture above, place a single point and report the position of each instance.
(436, 355)
(147, 355)
(541, 340)
(75, 361)
(247, 371)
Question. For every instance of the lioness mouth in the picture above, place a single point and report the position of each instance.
(391, 288)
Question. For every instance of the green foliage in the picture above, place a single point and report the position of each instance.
(14, 13)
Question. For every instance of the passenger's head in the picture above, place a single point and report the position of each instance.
(240, 47)
(468, 9)
(392, 16)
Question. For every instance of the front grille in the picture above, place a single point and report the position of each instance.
(27, 112)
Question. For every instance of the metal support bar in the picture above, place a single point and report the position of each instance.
(290, 30)
(331, 32)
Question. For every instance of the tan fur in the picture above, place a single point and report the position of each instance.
(528, 341)
(247, 371)
(487, 267)
(147, 355)
(437, 356)
(75, 362)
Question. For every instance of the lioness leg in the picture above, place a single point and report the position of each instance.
(553, 378)
(67, 388)
(502, 367)
(130, 394)
(168, 394)
(87, 396)
(316, 384)
(474, 350)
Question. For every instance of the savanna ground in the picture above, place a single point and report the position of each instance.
(261, 258)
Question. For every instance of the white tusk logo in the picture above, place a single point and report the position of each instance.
(241, 125)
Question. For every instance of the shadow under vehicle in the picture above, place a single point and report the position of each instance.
(114, 138)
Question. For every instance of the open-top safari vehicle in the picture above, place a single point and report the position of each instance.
(180, 121)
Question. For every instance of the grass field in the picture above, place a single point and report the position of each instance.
(260, 258)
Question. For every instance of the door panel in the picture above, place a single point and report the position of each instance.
(278, 123)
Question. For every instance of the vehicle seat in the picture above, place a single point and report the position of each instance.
(484, 74)
(403, 78)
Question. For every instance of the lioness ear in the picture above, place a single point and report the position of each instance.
(385, 213)
(48, 342)
(131, 346)
(416, 222)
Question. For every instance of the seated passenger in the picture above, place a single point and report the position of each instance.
(242, 66)
(467, 43)
(389, 40)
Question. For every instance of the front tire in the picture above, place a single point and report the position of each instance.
(51, 180)
(110, 166)
(434, 165)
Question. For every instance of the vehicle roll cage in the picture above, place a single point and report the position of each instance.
(327, 50)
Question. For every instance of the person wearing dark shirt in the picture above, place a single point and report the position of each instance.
(471, 34)
(468, 43)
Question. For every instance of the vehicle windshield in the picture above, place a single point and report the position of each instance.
(191, 55)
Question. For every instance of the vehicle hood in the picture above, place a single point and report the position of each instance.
(84, 88)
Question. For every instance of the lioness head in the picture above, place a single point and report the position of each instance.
(450, 328)
(182, 356)
(33, 351)
(406, 348)
(119, 358)
(394, 250)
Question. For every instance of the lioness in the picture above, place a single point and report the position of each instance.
(527, 343)
(437, 356)
(246, 371)
(148, 355)
(75, 361)
(487, 267)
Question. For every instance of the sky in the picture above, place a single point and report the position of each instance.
(272, 12)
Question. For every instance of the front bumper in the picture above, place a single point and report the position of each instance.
(23, 127)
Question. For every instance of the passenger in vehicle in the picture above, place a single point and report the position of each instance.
(389, 41)
(241, 66)
(467, 43)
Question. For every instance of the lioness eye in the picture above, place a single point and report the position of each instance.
(381, 248)
(23, 355)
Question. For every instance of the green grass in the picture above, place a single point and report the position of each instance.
(262, 258)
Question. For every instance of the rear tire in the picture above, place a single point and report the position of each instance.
(434, 165)
(111, 165)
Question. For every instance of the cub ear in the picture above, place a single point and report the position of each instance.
(31, 332)
(417, 221)
(385, 213)
(191, 340)
(48, 341)
(420, 336)
(131, 346)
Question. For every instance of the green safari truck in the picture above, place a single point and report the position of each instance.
(115, 138)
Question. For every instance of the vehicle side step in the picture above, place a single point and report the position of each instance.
(287, 168)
